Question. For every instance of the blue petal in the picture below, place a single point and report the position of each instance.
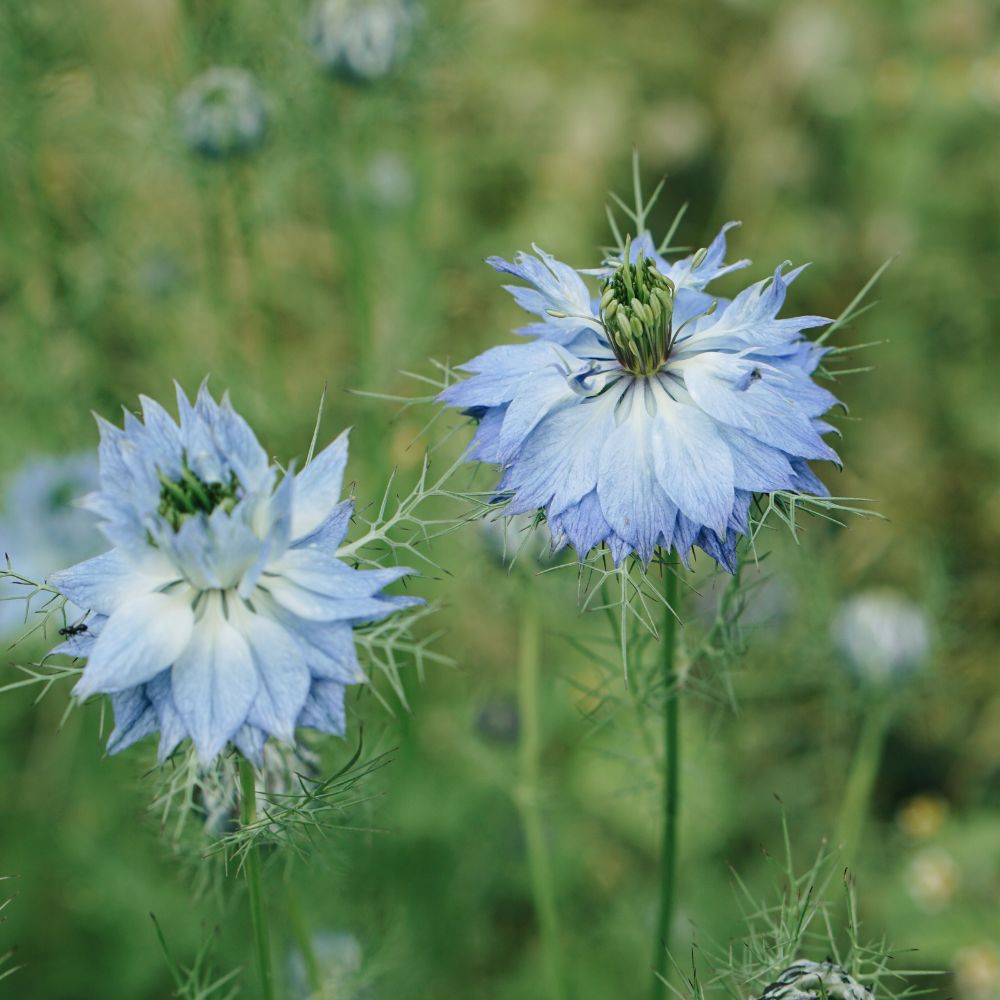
(104, 583)
(331, 531)
(214, 683)
(135, 718)
(324, 708)
(141, 638)
(283, 677)
(693, 464)
(318, 486)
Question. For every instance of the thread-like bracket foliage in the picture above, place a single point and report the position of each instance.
(198, 981)
(803, 918)
(298, 820)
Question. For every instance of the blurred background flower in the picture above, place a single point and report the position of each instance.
(41, 529)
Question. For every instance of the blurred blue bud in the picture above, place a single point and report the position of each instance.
(360, 41)
(223, 113)
(882, 635)
(806, 980)
(498, 721)
(41, 529)
(339, 957)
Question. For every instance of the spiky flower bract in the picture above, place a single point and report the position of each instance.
(222, 612)
(650, 415)
(223, 113)
(360, 41)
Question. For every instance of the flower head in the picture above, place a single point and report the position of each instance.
(223, 113)
(222, 612)
(651, 415)
(882, 635)
(804, 980)
(361, 41)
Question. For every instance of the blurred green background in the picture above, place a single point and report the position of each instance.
(350, 247)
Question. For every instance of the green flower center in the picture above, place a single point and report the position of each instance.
(637, 305)
(185, 497)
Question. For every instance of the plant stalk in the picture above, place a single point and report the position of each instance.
(529, 799)
(861, 778)
(251, 868)
(671, 786)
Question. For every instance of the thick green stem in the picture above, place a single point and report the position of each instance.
(861, 779)
(539, 863)
(251, 868)
(671, 786)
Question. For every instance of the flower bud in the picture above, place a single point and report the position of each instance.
(804, 980)
(223, 113)
(360, 41)
(882, 635)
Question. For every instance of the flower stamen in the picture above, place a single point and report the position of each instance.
(637, 307)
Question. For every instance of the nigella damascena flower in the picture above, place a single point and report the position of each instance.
(805, 980)
(361, 40)
(223, 113)
(652, 415)
(883, 635)
(222, 613)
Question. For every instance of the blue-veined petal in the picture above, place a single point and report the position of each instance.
(141, 638)
(214, 682)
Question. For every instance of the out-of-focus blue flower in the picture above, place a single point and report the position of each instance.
(882, 635)
(222, 613)
(651, 415)
(41, 529)
(223, 113)
(360, 40)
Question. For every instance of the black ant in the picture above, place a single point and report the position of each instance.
(73, 630)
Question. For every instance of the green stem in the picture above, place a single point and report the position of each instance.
(251, 868)
(861, 779)
(671, 785)
(539, 863)
(303, 941)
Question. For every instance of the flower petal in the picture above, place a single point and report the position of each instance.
(214, 683)
(141, 638)
(318, 486)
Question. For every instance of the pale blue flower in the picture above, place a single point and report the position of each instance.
(41, 528)
(361, 40)
(222, 613)
(223, 113)
(652, 415)
(883, 635)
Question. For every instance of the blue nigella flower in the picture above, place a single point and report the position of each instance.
(222, 612)
(651, 415)
(223, 113)
(360, 40)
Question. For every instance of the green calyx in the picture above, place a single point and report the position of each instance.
(183, 498)
(637, 306)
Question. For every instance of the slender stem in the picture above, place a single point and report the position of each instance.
(539, 863)
(861, 778)
(671, 786)
(303, 941)
(251, 867)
